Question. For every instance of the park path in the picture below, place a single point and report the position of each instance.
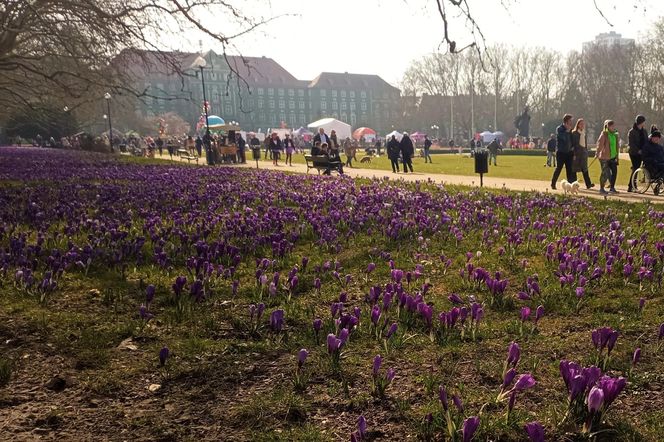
(461, 180)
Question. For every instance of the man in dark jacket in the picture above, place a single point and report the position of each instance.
(393, 151)
(427, 147)
(637, 138)
(493, 147)
(407, 152)
(551, 152)
(653, 155)
(322, 137)
(199, 145)
(241, 144)
(564, 152)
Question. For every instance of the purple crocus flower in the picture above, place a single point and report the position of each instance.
(508, 378)
(470, 426)
(163, 355)
(397, 275)
(390, 374)
(595, 399)
(455, 299)
(580, 292)
(642, 303)
(391, 330)
(144, 313)
(457, 402)
(333, 343)
(375, 315)
(317, 284)
(524, 382)
(343, 336)
(149, 294)
(611, 387)
(513, 354)
(535, 431)
(525, 314)
(305, 261)
(523, 296)
(371, 267)
(302, 356)
(442, 396)
(277, 320)
(260, 308)
(362, 427)
(376, 365)
(293, 282)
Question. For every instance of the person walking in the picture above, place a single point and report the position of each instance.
(637, 139)
(160, 145)
(348, 151)
(580, 148)
(551, 152)
(564, 152)
(493, 147)
(289, 145)
(275, 148)
(393, 151)
(241, 145)
(199, 145)
(407, 151)
(377, 146)
(427, 146)
(607, 154)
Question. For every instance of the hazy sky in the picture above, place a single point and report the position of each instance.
(383, 37)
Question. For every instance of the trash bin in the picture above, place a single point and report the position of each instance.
(482, 163)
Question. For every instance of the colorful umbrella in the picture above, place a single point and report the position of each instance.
(363, 132)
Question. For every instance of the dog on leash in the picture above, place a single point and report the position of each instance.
(568, 187)
(366, 159)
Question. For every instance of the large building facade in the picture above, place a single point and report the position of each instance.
(258, 93)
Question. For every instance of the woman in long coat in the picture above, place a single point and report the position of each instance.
(580, 147)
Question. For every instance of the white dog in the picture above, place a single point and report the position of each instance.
(572, 188)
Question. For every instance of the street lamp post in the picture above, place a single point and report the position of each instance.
(437, 129)
(200, 63)
(107, 96)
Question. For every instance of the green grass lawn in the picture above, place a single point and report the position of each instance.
(509, 166)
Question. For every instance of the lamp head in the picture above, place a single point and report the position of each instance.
(107, 96)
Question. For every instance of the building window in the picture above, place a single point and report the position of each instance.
(270, 104)
(335, 106)
(282, 117)
(270, 91)
(353, 119)
(292, 120)
(260, 104)
(385, 95)
(229, 111)
(343, 105)
(301, 104)
(323, 93)
(261, 117)
(352, 106)
(282, 104)
(300, 92)
(352, 94)
(281, 92)
(303, 119)
(363, 94)
(334, 93)
(377, 106)
(344, 117)
(291, 104)
(323, 105)
(343, 94)
(363, 106)
(260, 91)
(291, 92)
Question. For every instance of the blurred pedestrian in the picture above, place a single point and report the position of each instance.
(637, 139)
(580, 147)
(289, 145)
(607, 153)
(393, 151)
(407, 152)
(551, 152)
(427, 146)
(564, 152)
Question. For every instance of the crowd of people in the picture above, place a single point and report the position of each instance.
(569, 149)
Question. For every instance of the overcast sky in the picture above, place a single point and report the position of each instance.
(383, 37)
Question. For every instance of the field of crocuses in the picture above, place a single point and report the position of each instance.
(147, 301)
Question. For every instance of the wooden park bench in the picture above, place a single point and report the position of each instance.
(184, 154)
(321, 164)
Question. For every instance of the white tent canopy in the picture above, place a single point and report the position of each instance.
(330, 124)
(396, 134)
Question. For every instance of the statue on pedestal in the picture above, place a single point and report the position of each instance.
(522, 123)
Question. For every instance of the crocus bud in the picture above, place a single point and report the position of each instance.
(376, 365)
(149, 294)
(163, 355)
(595, 399)
(636, 357)
(302, 356)
(371, 267)
(442, 396)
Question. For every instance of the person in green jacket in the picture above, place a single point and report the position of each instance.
(607, 154)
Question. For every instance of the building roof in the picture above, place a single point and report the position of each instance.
(257, 71)
(346, 80)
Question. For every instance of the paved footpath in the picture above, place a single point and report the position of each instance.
(462, 180)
